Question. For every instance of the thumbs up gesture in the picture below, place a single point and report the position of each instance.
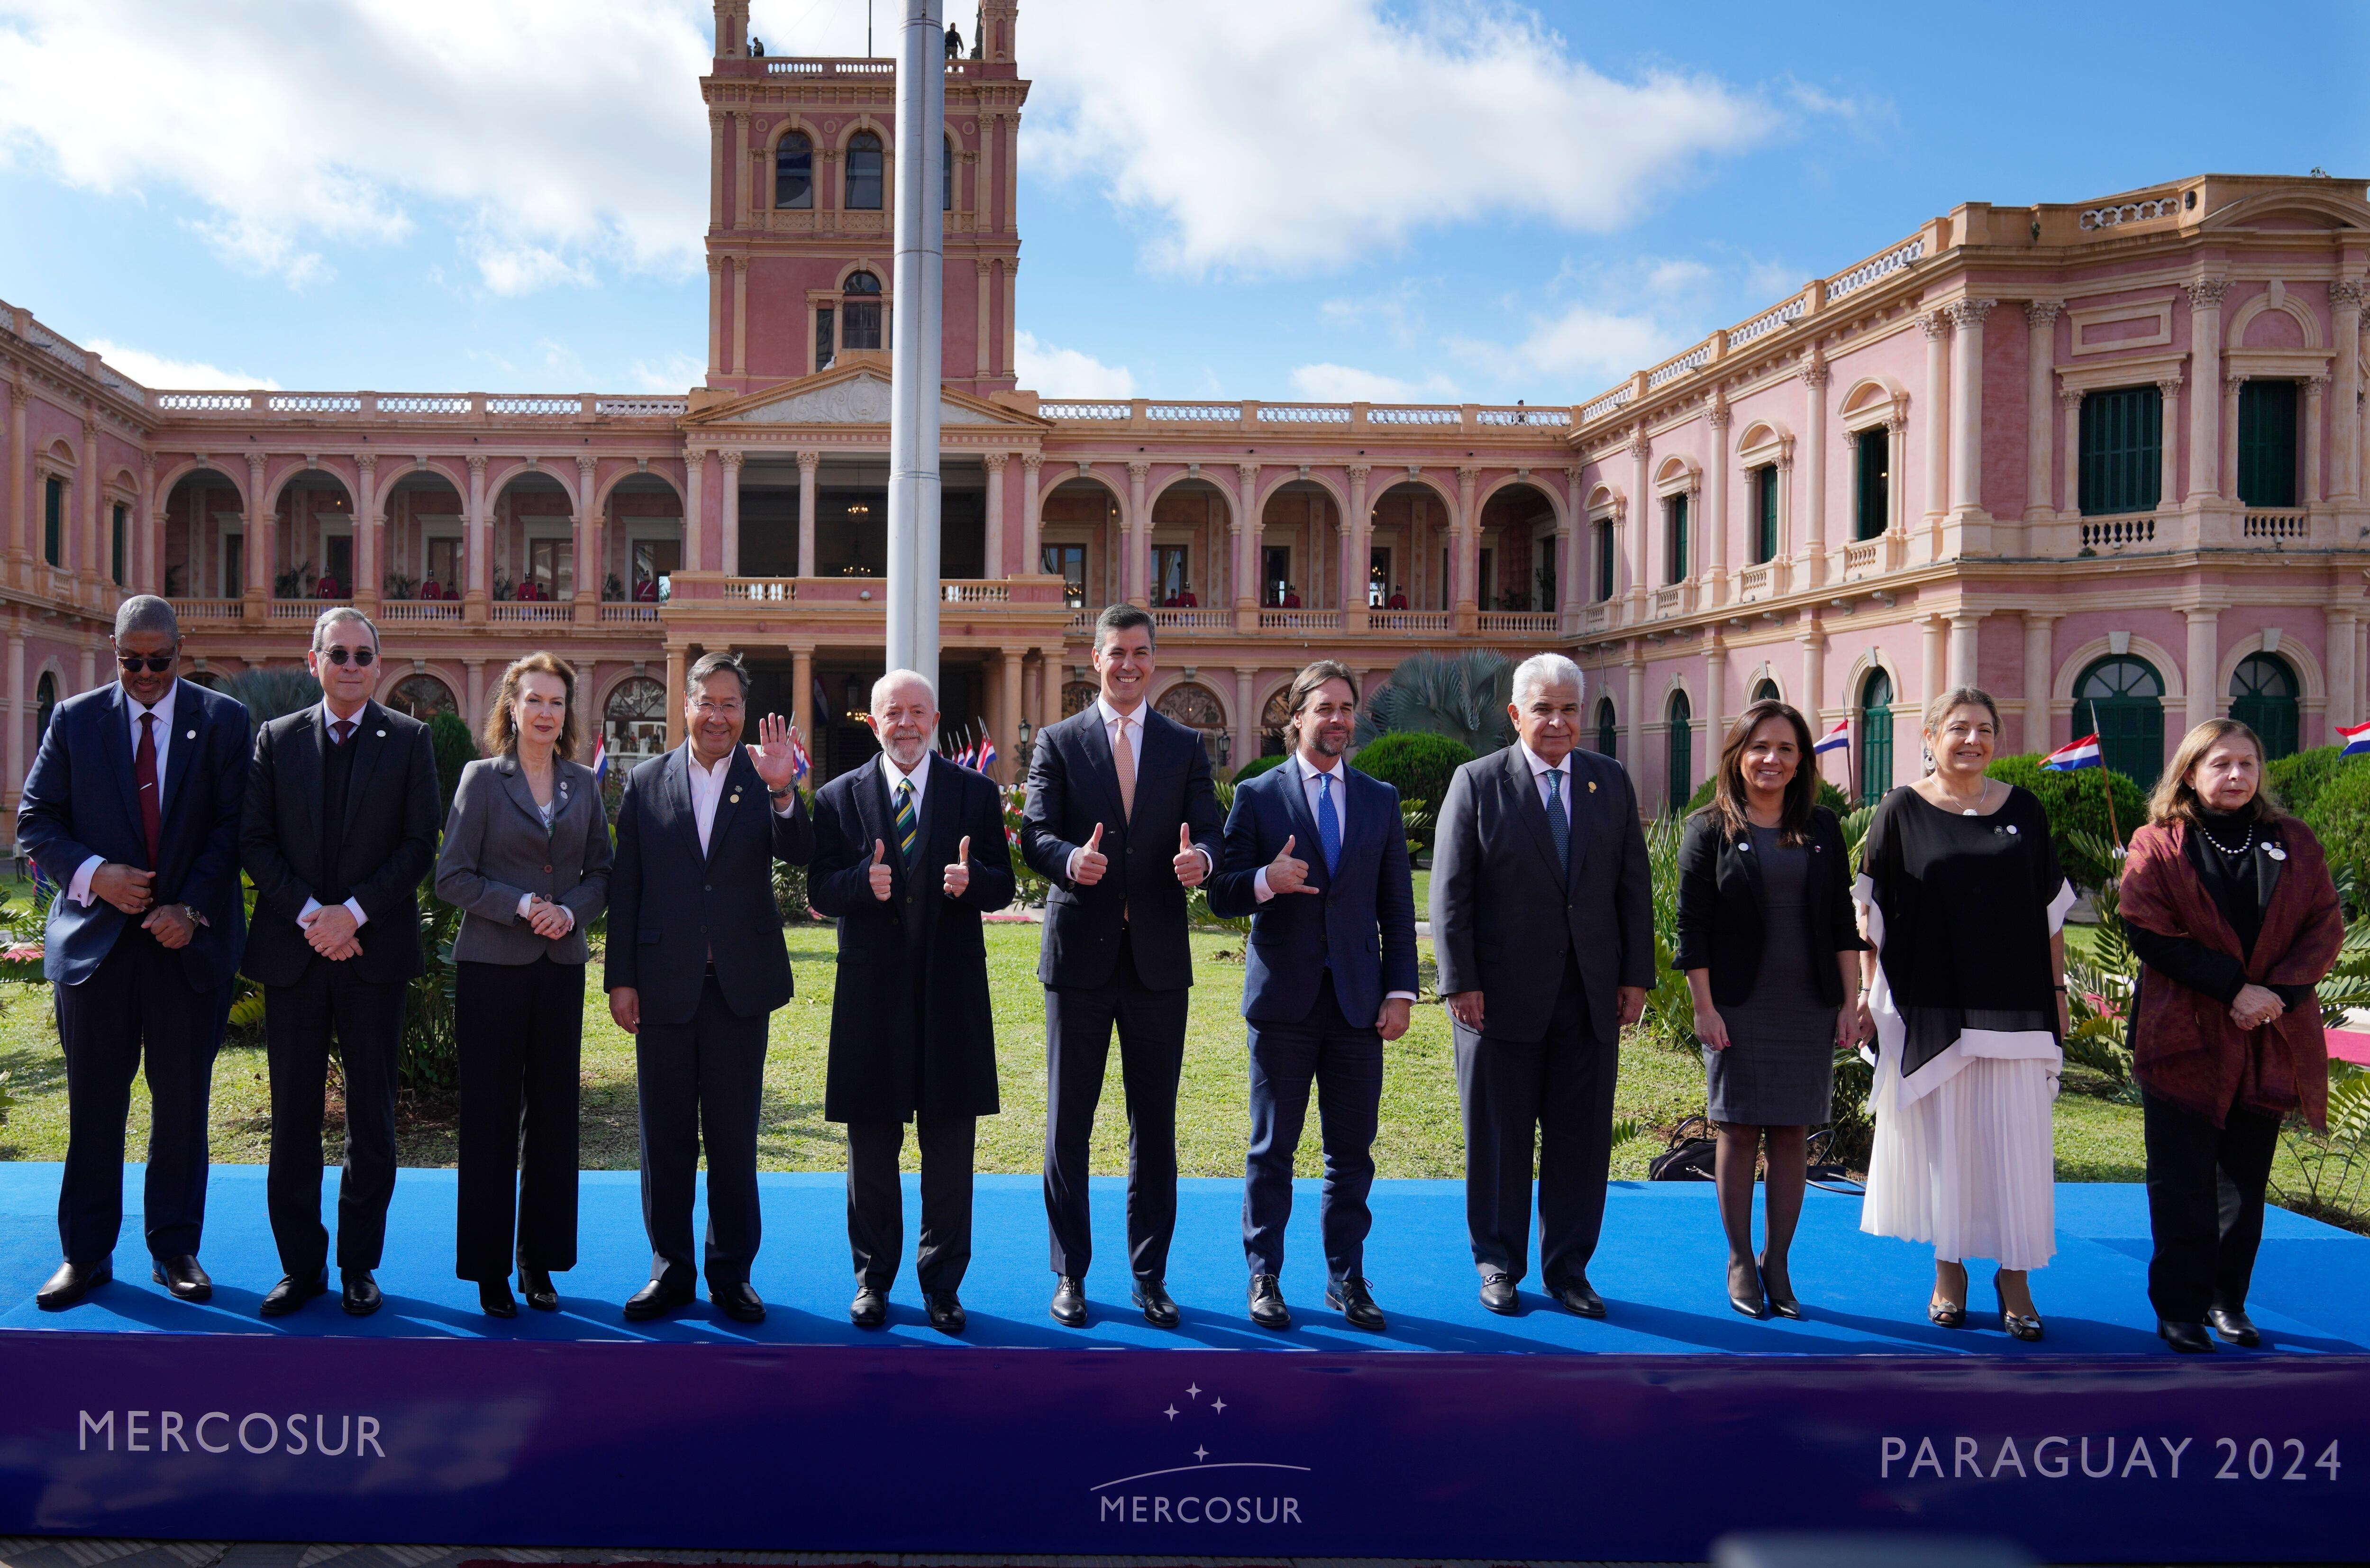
(1191, 867)
(881, 874)
(1285, 874)
(957, 880)
(1090, 864)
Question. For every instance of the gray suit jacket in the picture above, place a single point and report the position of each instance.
(1503, 915)
(496, 850)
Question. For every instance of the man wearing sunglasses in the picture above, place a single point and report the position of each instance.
(339, 826)
(132, 808)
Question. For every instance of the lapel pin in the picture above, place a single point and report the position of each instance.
(1744, 847)
(1591, 786)
(380, 734)
(2275, 852)
(736, 798)
(2011, 828)
(190, 735)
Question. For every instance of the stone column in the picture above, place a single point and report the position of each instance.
(1932, 672)
(86, 555)
(1936, 325)
(1356, 553)
(995, 462)
(1571, 556)
(1032, 512)
(731, 459)
(1246, 527)
(474, 543)
(86, 670)
(20, 721)
(2204, 653)
(676, 664)
(2345, 334)
(2205, 368)
(1715, 695)
(2169, 476)
(1714, 525)
(20, 482)
(148, 534)
(2040, 356)
(1639, 519)
(2344, 669)
(1813, 553)
(1963, 648)
(2040, 675)
(740, 265)
(589, 559)
(1137, 569)
(473, 694)
(2069, 408)
(1245, 720)
(807, 464)
(2315, 489)
(1469, 553)
(1637, 757)
(1008, 719)
(695, 463)
(2225, 481)
(802, 698)
(1812, 699)
(1967, 408)
(260, 535)
(980, 267)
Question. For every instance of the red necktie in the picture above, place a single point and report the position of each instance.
(143, 771)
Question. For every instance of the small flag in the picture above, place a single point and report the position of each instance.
(2083, 752)
(1836, 739)
(987, 753)
(798, 764)
(600, 759)
(2357, 741)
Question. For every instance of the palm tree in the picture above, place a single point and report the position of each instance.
(270, 693)
(1464, 698)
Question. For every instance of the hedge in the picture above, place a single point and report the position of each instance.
(2298, 779)
(1834, 800)
(1256, 767)
(2340, 817)
(1417, 763)
(2072, 801)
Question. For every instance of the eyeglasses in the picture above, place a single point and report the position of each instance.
(156, 664)
(361, 656)
(706, 708)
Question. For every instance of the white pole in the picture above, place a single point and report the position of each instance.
(914, 356)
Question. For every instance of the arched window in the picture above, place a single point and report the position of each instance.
(2121, 699)
(947, 180)
(1604, 543)
(1765, 690)
(1682, 782)
(635, 719)
(863, 173)
(1272, 719)
(1608, 729)
(1076, 697)
(45, 702)
(1875, 735)
(860, 312)
(794, 171)
(2263, 698)
(1197, 707)
(424, 696)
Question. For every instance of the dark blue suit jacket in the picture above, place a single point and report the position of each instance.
(670, 907)
(1363, 927)
(80, 801)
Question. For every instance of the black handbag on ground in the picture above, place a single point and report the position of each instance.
(1688, 1157)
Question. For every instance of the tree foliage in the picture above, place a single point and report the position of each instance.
(1463, 697)
(2076, 806)
(273, 693)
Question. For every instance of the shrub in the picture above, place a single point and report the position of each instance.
(2298, 779)
(2339, 818)
(2075, 803)
(1834, 800)
(1256, 767)
(1463, 696)
(270, 694)
(455, 749)
(1419, 766)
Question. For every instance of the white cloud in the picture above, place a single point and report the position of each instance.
(1263, 138)
(1348, 384)
(191, 375)
(553, 131)
(1066, 373)
(671, 374)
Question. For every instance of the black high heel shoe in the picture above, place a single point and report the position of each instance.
(1784, 1305)
(494, 1298)
(1947, 1314)
(1748, 1305)
(2027, 1329)
(537, 1286)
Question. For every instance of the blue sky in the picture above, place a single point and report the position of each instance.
(1329, 198)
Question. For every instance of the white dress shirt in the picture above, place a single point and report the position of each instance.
(79, 888)
(1539, 767)
(893, 776)
(1110, 717)
(1340, 789)
(708, 788)
(329, 736)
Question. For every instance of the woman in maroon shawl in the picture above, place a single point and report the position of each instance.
(2229, 905)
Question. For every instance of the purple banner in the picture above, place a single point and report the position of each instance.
(1199, 1453)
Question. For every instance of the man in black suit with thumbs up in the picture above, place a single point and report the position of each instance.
(1123, 819)
(909, 854)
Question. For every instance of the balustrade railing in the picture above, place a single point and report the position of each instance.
(199, 612)
(1863, 557)
(1518, 623)
(1300, 620)
(615, 614)
(416, 612)
(1194, 620)
(533, 611)
(1753, 583)
(305, 610)
(2114, 532)
(2289, 523)
(1409, 621)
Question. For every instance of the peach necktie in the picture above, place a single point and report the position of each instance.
(1123, 762)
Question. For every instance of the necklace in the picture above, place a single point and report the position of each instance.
(2227, 852)
(1960, 801)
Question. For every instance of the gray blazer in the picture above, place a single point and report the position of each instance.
(496, 850)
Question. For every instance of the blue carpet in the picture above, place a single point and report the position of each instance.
(1660, 1268)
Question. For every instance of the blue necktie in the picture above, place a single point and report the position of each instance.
(1559, 820)
(1329, 824)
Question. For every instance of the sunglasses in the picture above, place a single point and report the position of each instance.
(362, 657)
(156, 664)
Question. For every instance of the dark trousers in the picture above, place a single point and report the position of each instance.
(1560, 1087)
(138, 1002)
(876, 1201)
(701, 1083)
(1078, 1023)
(2205, 1205)
(519, 1027)
(1346, 1065)
(367, 1016)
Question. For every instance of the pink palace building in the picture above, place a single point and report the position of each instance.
(2105, 459)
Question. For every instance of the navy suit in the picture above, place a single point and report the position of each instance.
(118, 990)
(1319, 967)
(1115, 953)
(699, 938)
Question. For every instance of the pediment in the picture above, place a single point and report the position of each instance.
(857, 397)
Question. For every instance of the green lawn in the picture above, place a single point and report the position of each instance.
(2097, 1139)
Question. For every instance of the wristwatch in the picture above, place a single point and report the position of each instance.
(196, 917)
(781, 794)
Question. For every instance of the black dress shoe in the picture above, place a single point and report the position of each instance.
(1069, 1307)
(871, 1308)
(72, 1283)
(2233, 1324)
(656, 1300)
(1947, 1314)
(1498, 1294)
(1746, 1302)
(2189, 1339)
(184, 1277)
(494, 1298)
(1580, 1298)
(361, 1296)
(946, 1311)
(738, 1301)
(1780, 1305)
(537, 1286)
(1267, 1310)
(2020, 1325)
(291, 1292)
(1353, 1299)
(1159, 1310)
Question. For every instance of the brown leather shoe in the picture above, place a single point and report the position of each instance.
(72, 1283)
(184, 1277)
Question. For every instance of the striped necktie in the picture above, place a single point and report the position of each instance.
(909, 827)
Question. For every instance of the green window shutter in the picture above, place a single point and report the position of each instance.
(2123, 450)
(1682, 782)
(1872, 455)
(2263, 698)
(1765, 538)
(1676, 511)
(1875, 736)
(54, 521)
(116, 548)
(2267, 443)
(1604, 560)
(2121, 700)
